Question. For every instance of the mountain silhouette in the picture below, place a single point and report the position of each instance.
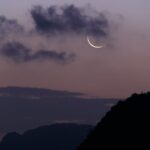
(125, 126)
(53, 137)
(28, 108)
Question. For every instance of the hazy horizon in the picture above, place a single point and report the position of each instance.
(22, 109)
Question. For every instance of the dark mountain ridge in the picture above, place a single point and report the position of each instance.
(125, 126)
(54, 137)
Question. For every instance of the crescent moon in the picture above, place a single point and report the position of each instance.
(92, 45)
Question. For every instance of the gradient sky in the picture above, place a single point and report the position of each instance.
(117, 70)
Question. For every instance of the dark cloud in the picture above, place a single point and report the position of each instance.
(19, 53)
(9, 25)
(54, 20)
(15, 51)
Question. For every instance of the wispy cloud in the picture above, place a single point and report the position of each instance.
(52, 21)
(8, 26)
(69, 19)
(19, 53)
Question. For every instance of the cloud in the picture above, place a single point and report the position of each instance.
(52, 21)
(19, 53)
(69, 19)
(8, 26)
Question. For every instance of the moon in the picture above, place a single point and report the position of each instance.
(92, 45)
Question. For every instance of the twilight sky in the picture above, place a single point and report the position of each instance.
(36, 53)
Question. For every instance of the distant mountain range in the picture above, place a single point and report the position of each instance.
(125, 126)
(37, 92)
(53, 137)
(25, 108)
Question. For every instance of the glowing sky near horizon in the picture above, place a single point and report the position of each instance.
(111, 72)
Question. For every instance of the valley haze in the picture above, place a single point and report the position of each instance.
(26, 108)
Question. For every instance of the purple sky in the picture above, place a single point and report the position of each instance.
(117, 70)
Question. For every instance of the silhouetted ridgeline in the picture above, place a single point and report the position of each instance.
(53, 137)
(125, 126)
(27, 108)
